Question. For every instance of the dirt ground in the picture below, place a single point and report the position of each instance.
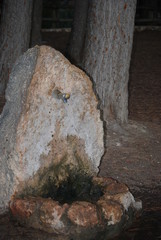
(133, 150)
(133, 155)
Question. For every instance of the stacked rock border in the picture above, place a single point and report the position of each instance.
(109, 215)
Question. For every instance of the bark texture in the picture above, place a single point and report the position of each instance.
(14, 35)
(107, 53)
(77, 38)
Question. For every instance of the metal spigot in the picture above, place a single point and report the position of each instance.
(59, 95)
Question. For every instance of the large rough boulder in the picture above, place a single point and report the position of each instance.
(44, 134)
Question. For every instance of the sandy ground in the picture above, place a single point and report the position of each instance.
(133, 155)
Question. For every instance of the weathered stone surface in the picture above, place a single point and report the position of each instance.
(115, 188)
(23, 208)
(15, 95)
(125, 199)
(83, 214)
(103, 181)
(111, 211)
(41, 136)
(119, 192)
(50, 216)
(39, 213)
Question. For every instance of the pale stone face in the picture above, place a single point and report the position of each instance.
(46, 118)
(48, 130)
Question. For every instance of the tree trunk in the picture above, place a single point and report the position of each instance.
(77, 38)
(36, 23)
(107, 53)
(14, 35)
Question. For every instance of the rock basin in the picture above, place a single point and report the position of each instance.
(102, 207)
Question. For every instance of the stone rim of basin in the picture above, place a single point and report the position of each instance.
(116, 206)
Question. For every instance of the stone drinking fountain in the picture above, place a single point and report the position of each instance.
(51, 139)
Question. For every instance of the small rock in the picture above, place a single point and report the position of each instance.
(23, 208)
(83, 214)
(125, 199)
(51, 214)
(103, 181)
(115, 188)
(111, 211)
